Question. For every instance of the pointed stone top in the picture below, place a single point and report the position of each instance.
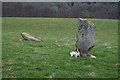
(85, 20)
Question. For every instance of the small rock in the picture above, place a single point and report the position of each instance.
(93, 57)
(105, 44)
(50, 76)
(108, 47)
(92, 74)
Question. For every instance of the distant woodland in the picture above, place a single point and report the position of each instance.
(103, 10)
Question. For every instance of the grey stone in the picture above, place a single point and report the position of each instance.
(85, 36)
(28, 37)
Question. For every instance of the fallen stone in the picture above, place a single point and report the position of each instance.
(28, 37)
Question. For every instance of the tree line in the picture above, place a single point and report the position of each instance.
(61, 9)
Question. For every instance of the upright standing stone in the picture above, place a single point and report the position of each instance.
(85, 36)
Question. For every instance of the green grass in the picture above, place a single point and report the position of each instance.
(25, 59)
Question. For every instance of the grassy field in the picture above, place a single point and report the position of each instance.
(50, 58)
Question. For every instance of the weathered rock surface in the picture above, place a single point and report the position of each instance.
(28, 37)
(85, 36)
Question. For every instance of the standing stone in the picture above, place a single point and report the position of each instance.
(85, 36)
